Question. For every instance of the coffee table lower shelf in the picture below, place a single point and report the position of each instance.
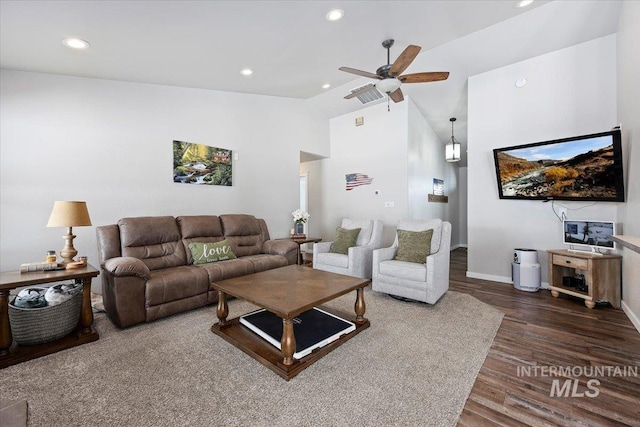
(271, 357)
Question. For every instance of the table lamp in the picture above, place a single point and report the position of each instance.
(69, 214)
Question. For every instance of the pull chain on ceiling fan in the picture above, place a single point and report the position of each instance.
(389, 76)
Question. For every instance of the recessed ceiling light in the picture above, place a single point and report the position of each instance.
(326, 86)
(521, 82)
(524, 3)
(335, 15)
(246, 71)
(76, 43)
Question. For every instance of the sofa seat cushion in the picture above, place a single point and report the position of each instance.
(227, 269)
(335, 260)
(171, 284)
(404, 270)
(265, 262)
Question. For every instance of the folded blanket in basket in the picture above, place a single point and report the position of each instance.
(60, 293)
(31, 298)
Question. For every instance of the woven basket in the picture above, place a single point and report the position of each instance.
(30, 326)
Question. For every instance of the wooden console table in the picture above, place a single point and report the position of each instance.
(601, 273)
(12, 353)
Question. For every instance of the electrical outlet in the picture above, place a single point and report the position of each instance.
(389, 204)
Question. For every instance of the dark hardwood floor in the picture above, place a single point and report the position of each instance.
(542, 331)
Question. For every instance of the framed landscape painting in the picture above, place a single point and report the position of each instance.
(201, 164)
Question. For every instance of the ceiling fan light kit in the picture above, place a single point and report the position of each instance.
(390, 76)
(388, 85)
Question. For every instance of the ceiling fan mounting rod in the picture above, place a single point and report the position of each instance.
(387, 45)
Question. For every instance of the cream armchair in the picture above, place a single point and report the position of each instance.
(425, 282)
(357, 262)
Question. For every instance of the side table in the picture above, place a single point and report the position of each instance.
(12, 353)
(301, 241)
(602, 276)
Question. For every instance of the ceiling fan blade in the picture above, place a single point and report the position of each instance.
(360, 72)
(360, 91)
(433, 76)
(396, 95)
(404, 60)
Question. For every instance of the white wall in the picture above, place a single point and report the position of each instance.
(425, 162)
(378, 149)
(569, 92)
(110, 143)
(401, 152)
(629, 116)
(462, 208)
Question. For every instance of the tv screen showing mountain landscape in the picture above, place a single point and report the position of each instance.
(580, 168)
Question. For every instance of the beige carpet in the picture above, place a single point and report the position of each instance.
(414, 366)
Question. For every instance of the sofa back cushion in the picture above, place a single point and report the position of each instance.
(199, 229)
(153, 240)
(243, 233)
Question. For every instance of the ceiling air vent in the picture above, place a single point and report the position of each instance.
(370, 95)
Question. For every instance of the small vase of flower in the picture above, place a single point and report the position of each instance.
(299, 219)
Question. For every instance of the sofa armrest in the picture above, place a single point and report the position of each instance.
(384, 254)
(127, 266)
(360, 260)
(123, 290)
(283, 247)
(379, 255)
(321, 247)
(438, 269)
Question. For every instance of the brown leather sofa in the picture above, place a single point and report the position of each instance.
(148, 271)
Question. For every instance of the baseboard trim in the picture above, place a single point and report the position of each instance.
(500, 279)
(631, 315)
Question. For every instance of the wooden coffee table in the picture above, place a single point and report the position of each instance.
(286, 292)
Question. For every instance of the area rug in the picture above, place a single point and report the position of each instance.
(415, 365)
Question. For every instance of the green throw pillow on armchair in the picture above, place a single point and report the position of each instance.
(345, 239)
(414, 246)
(203, 253)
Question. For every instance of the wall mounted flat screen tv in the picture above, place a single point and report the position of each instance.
(594, 234)
(587, 167)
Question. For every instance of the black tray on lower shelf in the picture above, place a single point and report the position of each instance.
(313, 329)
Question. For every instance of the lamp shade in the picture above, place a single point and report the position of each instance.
(452, 148)
(69, 214)
(452, 151)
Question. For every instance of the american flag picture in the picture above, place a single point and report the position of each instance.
(356, 179)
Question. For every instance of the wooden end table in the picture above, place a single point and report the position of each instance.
(12, 353)
(301, 241)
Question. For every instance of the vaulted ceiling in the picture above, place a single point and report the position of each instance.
(291, 47)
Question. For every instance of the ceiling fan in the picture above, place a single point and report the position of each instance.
(390, 77)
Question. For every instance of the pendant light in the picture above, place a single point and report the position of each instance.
(452, 149)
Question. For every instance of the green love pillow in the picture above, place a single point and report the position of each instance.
(203, 253)
(414, 246)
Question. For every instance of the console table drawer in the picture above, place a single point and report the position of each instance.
(567, 261)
